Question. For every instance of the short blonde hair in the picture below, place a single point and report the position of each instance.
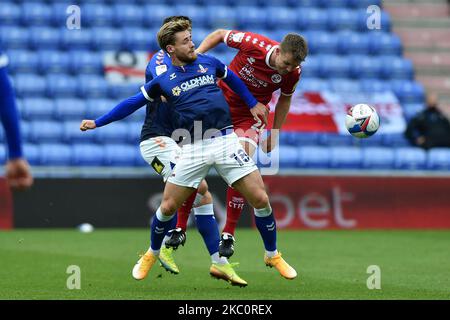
(166, 34)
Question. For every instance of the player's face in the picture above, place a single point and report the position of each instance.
(184, 48)
(284, 63)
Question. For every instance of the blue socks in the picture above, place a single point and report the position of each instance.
(160, 226)
(207, 226)
(267, 228)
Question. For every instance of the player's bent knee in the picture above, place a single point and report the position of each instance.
(168, 207)
(207, 198)
(261, 201)
(203, 188)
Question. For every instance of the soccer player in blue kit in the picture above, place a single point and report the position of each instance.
(18, 172)
(190, 86)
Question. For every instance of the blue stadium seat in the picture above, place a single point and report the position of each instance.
(312, 19)
(311, 66)
(29, 85)
(24, 130)
(134, 132)
(51, 61)
(314, 157)
(331, 139)
(200, 34)
(92, 86)
(22, 61)
(10, 14)
(352, 43)
(113, 133)
(76, 39)
(98, 107)
(61, 85)
(365, 67)
(123, 91)
(281, 18)
(126, 15)
(342, 19)
(37, 109)
(31, 153)
(36, 14)
(345, 157)
(384, 43)
(333, 66)
(408, 91)
(374, 85)
(438, 159)
(395, 140)
(412, 109)
(313, 85)
(321, 42)
(139, 39)
(107, 38)
(59, 14)
(363, 4)
(304, 3)
(55, 154)
(138, 115)
(82, 61)
(72, 133)
(87, 155)
(14, 37)
(44, 38)
(70, 109)
(396, 68)
(410, 158)
(202, 20)
(158, 13)
(249, 18)
(301, 138)
(97, 15)
(344, 85)
(378, 158)
(218, 16)
(376, 140)
(120, 155)
(288, 157)
(45, 131)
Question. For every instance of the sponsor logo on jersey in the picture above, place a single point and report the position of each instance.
(161, 69)
(202, 70)
(237, 37)
(176, 91)
(276, 78)
(172, 76)
(197, 82)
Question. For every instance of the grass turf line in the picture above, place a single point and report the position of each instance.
(330, 264)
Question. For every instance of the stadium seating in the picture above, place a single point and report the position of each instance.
(58, 75)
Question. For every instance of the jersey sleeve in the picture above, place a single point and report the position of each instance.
(288, 86)
(244, 41)
(221, 68)
(152, 90)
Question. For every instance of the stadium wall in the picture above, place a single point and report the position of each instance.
(299, 202)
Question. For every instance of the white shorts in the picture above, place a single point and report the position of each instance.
(161, 153)
(225, 153)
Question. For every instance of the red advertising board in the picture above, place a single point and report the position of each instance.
(6, 216)
(360, 202)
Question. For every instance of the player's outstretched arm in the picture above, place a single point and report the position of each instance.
(258, 110)
(212, 40)
(122, 110)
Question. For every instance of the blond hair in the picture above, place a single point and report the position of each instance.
(166, 34)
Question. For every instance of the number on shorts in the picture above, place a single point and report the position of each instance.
(241, 157)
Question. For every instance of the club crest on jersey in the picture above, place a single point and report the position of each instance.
(176, 91)
(202, 70)
(238, 37)
(172, 76)
(276, 78)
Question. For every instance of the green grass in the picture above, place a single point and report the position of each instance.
(331, 265)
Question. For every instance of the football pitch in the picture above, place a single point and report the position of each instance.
(330, 264)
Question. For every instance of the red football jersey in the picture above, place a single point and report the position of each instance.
(251, 64)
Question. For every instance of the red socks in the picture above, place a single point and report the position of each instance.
(235, 205)
(185, 210)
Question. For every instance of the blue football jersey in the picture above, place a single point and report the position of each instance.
(158, 119)
(193, 92)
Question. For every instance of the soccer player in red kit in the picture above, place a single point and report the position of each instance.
(265, 66)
